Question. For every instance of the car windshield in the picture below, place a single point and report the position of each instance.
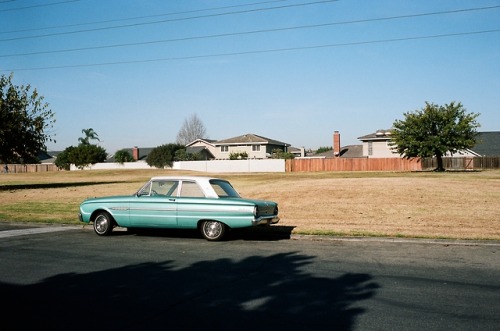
(223, 189)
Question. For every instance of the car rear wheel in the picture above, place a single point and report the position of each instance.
(213, 230)
(103, 224)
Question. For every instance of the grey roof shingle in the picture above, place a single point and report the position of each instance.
(379, 135)
(487, 143)
(250, 138)
(349, 151)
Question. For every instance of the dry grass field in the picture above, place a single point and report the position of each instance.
(460, 205)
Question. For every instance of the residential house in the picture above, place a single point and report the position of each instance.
(139, 154)
(348, 151)
(377, 145)
(48, 157)
(297, 152)
(256, 147)
(204, 147)
(487, 143)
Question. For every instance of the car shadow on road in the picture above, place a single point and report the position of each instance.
(259, 233)
(256, 293)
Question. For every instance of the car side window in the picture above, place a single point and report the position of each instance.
(163, 187)
(192, 190)
(159, 187)
(173, 188)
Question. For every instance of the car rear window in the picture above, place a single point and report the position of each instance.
(224, 189)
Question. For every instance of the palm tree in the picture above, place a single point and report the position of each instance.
(90, 134)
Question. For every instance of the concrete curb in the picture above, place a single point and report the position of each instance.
(445, 242)
(32, 228)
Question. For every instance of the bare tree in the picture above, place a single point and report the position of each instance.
(191, 130)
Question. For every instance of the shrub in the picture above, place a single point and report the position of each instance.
(238, 155)
(163, 155)
(123, 156)
(279, 154)
(80, 156)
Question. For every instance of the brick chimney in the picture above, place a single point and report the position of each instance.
(336, 144)
(135, 153)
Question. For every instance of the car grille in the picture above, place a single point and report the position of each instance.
(267, 210)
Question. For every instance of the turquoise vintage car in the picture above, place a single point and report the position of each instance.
(209, 204)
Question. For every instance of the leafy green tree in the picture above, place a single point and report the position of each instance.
(25, 123)
(63, 160)
(123, 156)
(163, 155)
(279, 154)
(82, 155)
(434, 131)
(323, 149)
(183, 155)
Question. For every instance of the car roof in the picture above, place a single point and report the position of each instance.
(202, 181)
(194, 178)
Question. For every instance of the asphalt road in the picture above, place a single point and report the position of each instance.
(71, 279)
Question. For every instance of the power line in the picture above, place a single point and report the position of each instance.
(38, 6)
(290, 49)
(170, 20)
(252, 32)
(139, 17)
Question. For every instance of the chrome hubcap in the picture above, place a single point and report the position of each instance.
(101, 224)
(213, 229)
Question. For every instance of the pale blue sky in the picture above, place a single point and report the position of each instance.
(291, 72)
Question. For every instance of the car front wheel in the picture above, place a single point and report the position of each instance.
(103, 224)
(213, 230)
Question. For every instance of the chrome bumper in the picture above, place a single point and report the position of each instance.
(265, 220)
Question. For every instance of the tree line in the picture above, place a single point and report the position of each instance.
(26, 124)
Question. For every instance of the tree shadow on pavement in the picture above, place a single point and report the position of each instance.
(33, 186)
(256, 293)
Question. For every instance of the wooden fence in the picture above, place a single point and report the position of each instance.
(354, 164)
(464, 163)
(24, 168)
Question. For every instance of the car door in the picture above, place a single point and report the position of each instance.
(155, 205)
(191, 205)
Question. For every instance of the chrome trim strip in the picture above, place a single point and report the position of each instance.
(152, 209)
(119, 208)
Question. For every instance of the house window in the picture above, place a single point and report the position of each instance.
(255, 148)
(370, 148)
(224, 149)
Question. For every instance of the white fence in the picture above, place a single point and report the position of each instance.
(109, 166)
(221, 166)
(215, 166)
